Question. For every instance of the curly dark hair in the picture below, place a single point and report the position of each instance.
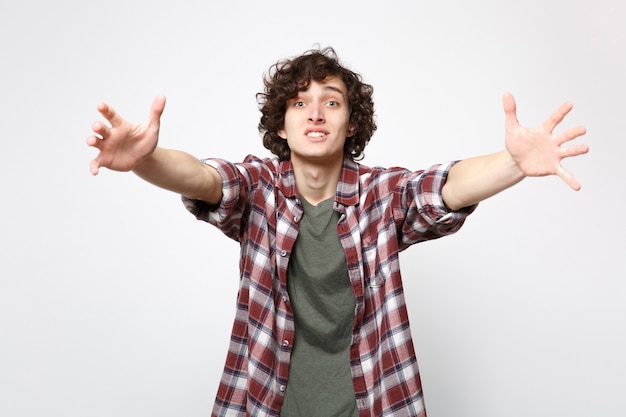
(288, 77)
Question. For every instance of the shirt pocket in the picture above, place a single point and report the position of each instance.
(376, 259)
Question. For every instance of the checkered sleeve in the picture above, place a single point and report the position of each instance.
(424, 215)
(228, 214)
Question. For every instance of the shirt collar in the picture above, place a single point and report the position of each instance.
(347, 188)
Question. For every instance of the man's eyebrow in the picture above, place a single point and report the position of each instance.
(335, 89)
(332, 88)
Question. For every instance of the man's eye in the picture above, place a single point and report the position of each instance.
(333, 103)
(299, 104)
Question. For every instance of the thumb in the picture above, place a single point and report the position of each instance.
(94, 166)
(156, 110)
(510, 111)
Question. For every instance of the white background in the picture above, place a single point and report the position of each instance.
(115, 301)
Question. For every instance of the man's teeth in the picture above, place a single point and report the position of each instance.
(315, 134)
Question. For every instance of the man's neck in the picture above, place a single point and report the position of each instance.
(317, 182)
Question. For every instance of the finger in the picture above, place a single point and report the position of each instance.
(100, 129)
(94, 166)
(510, 111)
(568, 178)
(110, 114)
(558, 116)
(94, 141)
(156, 110)
(570, 134)
(575, 150)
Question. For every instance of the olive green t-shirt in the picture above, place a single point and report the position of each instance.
(320, 380)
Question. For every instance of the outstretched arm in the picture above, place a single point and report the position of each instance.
(530, 152)
(124, 146)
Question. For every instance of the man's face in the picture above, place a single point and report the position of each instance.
(317, 122)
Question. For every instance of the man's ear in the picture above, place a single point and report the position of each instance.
(351, 130)
(282, 133)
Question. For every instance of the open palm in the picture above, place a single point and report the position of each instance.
(538, 151)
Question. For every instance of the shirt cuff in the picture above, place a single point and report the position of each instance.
(230, 193)
(430, 196)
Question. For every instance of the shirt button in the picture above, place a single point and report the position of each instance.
(283, 253)
(282, 388)
(296, 219)
(286, 343)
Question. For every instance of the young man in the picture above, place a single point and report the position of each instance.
(321, 327)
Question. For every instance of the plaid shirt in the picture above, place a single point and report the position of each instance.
(382, 212)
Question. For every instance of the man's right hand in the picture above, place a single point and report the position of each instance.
(124, 145)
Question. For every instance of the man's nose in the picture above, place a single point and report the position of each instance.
(316, 113)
